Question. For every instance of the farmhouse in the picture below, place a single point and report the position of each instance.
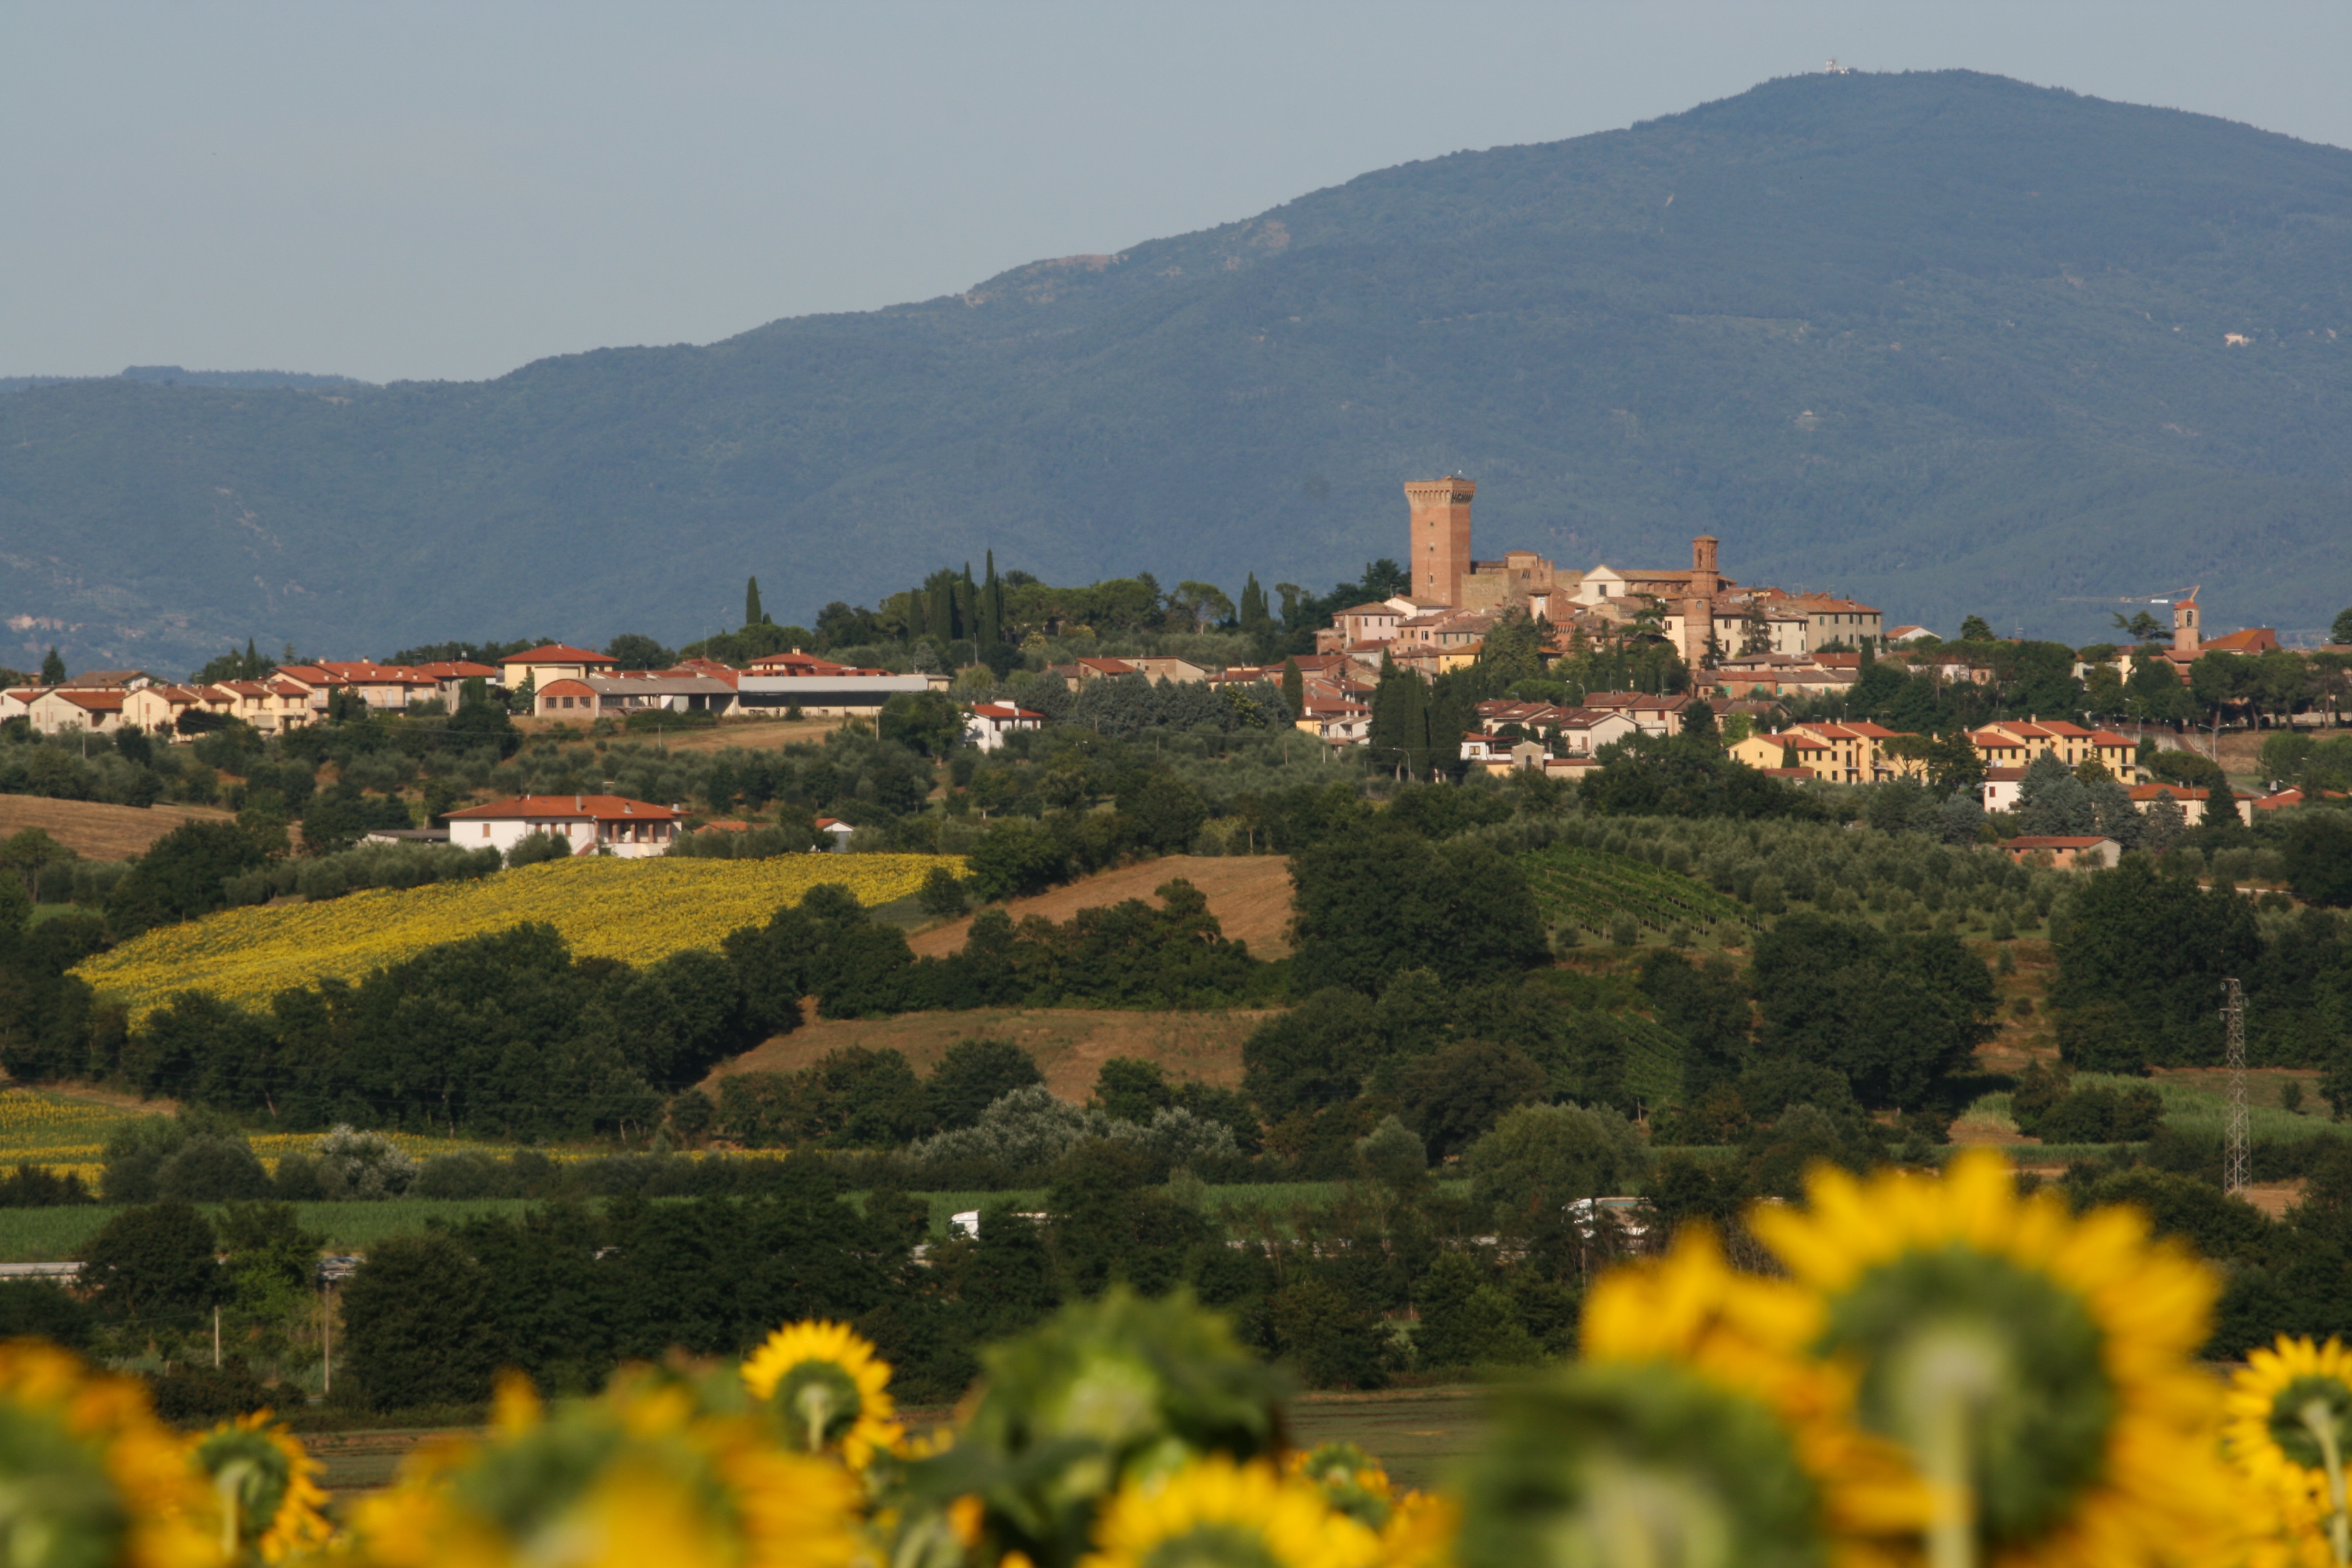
(594, 824)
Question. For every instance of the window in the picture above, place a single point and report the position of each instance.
(485, 830)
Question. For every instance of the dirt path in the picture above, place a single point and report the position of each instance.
(1070, 1044)
(98, 832)
(1249, 894)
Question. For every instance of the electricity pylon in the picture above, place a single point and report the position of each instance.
(2237, 1157)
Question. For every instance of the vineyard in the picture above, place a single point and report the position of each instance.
(636, 910)
(1593, 891)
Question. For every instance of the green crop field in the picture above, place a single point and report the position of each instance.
(1592, 890)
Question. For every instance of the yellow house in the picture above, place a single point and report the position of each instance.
(1769, 751)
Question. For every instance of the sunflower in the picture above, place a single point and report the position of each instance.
(1734, 1330)
(2290, 1415)
(828, 1387)
(266, 1485)
(634, 1479)
(1420, 1531)
(1352, 1481)
(1214, 1514)
(2038, 1366)
(91, 1477)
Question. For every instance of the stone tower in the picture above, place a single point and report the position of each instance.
(1699, 605)
(1439, 548)
(2184, 625)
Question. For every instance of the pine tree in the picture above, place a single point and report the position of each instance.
(752, 612)
(2221, 807)
(1253, 617)
(53, 669)
(252, 662)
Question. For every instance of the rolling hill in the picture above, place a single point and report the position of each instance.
(1945, 340)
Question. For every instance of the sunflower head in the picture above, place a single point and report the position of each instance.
(827, 1389)
(2283, 1402)
(1104, 1392)
(2038, 1367)
(1214, 1513)
(92, 1480)
(636, 1478)
(1352, 1481)
(267, 1487)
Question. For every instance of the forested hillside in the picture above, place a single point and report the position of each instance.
(1945, 340)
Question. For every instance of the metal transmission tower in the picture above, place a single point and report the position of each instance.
(2237, 1157)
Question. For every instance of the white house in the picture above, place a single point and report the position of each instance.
(553, 661)
(595, 824)
(838, 834)
(991, 721)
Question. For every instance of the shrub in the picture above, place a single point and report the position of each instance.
(364, 1166)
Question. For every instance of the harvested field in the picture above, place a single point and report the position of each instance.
(1249, 894)
(1070, 1044)
(98, 832)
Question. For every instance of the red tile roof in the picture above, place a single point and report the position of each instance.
(556, 653)
(574, 807)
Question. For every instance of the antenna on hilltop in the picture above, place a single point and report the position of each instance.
(1833, 69)
(2237, 1158)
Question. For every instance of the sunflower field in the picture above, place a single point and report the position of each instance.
(636, 910)
(1942, 1372)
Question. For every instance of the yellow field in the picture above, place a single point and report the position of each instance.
(636, 910)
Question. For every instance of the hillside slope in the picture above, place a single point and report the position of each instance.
(1944, 339)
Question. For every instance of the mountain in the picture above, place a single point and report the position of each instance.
(175, 375)
(1944, 341)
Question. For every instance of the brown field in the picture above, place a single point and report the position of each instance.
(1249, 894)
(1070, 1044)
(98, 832)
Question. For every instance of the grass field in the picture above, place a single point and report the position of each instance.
(637, 911)
(2194, 1102)
(1418, 1433)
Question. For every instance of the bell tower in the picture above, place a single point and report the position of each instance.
(2184, 625)
(1438, 549)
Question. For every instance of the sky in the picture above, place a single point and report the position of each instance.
(425, 191)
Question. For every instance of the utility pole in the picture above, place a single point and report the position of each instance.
(2237, 1156)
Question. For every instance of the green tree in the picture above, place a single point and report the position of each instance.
(421, 1327)
(1541, 1157)
(1895, 1015)
(971, 1076)
(1315, 1053)
(181, 876)
(1017, 856)
(1708, 1006)
(1974, 628)
(2341, 631)
(1454, 1095)
(1131, 1090)
(633, 650)
(932, 724)
(153, 1265)
(1294, 687)
(2141, 957)
(753, 613)
(2053, 802)
(1372, 905)
(53, 669)
(2319, 857)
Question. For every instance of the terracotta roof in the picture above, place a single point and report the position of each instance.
(107, 702)
(1005, 710)
(573, 807)
(2159, 791)
(2047, 841)
(569, 685)
(1109, 666)
(556, 653)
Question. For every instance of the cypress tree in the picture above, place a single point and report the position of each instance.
(1253, 617)
(1294, 687)
(53, 669)
(941, 595)
(991, 607)
(752, 612)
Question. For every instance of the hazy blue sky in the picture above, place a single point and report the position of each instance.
(423, 190)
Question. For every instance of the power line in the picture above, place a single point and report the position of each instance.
(2237, 1160)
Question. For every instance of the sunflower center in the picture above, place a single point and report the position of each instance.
(819, 1402)
(253, 1473)
(57, 1507)
(1218, 1544)
(2014, 1354)
(2292, 1412)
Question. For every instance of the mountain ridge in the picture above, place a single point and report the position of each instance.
(1944, 341)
